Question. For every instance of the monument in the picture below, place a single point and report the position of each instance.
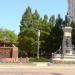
(67, 40)
(67, 54)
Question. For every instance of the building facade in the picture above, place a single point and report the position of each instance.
(71, 9)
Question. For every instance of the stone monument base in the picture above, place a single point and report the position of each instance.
(63, 61)
(66, 59)
(68, 54)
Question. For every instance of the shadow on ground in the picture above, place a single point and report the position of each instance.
(56, 74)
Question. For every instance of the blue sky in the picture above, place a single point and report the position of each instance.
(11, 11)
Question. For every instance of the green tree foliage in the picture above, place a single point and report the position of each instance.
(10, 35)
(36, 24)
(54, 41)
(73, 33)
(51, 33)
(59, 21)
(52, 20)
(36, 19)
(73, 37)
(45, 32)
(26, 19)
(25, 37)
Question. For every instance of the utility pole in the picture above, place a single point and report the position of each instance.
(38, 44)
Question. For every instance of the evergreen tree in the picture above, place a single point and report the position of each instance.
(54, 41)
(26, 19)
(52, 20)
(25, 37)
(36, 19)
(45, 32)
(73, 33)
(59, 21)
(51, 36)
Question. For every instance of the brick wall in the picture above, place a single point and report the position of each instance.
(9, 54)
(5, 52)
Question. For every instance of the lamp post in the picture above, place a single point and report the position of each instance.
(38, 44)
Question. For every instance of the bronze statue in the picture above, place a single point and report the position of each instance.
(67, 20)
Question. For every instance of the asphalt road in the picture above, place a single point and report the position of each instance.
(22, 69)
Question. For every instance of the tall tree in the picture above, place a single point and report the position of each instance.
(45, 32)
(30, 23)
(28, 33)
(26, 19)
(25, 37)
(45, 20)
(52, 20)
(73, 33)
(54, 41)
(36, 19)
(59, 21)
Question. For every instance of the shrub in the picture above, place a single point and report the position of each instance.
(39, 59)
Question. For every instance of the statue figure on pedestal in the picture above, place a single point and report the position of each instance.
(67, 20)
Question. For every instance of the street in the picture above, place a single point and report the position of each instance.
(8, 69)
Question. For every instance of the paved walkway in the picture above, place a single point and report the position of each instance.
(23, 69)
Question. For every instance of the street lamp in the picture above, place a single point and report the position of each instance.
(38, 44)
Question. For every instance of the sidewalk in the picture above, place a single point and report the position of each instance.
(30, 65)
(29, 69)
